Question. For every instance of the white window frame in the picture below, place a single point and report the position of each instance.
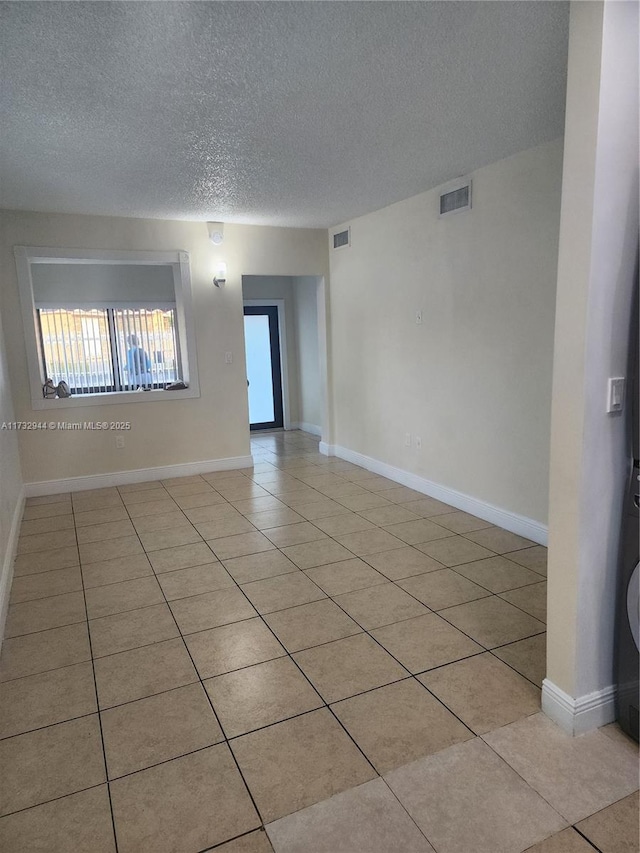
(179, 261)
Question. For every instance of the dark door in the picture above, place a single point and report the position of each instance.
(264, 374)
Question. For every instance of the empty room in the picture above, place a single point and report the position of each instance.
(319, 440)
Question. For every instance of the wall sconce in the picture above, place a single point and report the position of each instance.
(220, 275)
(216, 232)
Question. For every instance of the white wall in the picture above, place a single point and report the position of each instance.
(11, 498)
(306, 291)
(474, 379)
(590, 450)
(212, 427)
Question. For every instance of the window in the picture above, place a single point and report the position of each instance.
(101, 350)
(107, 324)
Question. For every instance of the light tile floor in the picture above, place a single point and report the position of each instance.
(303, 646)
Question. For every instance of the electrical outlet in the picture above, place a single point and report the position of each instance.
(418, 443)
(407, 439)
(228, 358)
(119, 442)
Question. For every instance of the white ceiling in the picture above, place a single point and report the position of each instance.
(300, 114)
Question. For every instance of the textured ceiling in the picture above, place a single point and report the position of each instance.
(302, 114)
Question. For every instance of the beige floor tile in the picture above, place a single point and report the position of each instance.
(261, 695)
(320, 553)
(147, 486)
(232, 647)
(116, 570)
(528, 657)
(274, 518)
(49, 697)
(143, 672)
(345, 576)
(368, 500)
(370, 542)
(313, 509)
(366, 819)
(195, 580)
(44, 651)
(241, 545)
(567, 841)
(45, 561)
(77, 822)
(616, 828)
(42, 500)
(420, 530)
(157, 540)
(85, 503)
(466, 800)
(298, 762)
(255, 567)
(399, 723)
(120, 597)
(345, 667)
(294, 534)
(578, 776)
(492, 622)
(45, 584)
(253, 842)
(158, 728)
(531, 558)
(498, 574)
(182, 557)
(390, 514)
(49, 763)
(499, 540)
(532, 599)
(281, 592)
(250, 506)
(454, 551)
(124, 546)
(188, 804)
(428, 507)
(30, 616)
(180, 490)
(211, 609)
(483, 692)
(105, 530)
(227, 526)
(209, 498)
(461, 522)
(311, 625)
(45, 541)
(443, 588)
(130, 630)
(402, 562)
(380, 605)
(145, 496)
(402, 495)
(100, 516)
(151, 523)
(339, 525)
(152, 507)
(211, 512)
(47, 510)
(425, 642)
(46, 525)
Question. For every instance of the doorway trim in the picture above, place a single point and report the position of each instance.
(282, 334)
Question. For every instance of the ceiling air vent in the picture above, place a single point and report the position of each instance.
(456, 198)
(343, 238)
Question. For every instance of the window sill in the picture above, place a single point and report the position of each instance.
(112, 398)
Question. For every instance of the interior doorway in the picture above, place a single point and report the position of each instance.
(264, 369)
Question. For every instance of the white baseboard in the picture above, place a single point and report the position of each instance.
(7, 561)
(140, 475)
(523, 526)
(305, 427)
(581, 715)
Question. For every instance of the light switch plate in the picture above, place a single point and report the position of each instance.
(615, 394)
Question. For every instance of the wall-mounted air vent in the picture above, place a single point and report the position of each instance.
(456, 198)
(342, 238)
